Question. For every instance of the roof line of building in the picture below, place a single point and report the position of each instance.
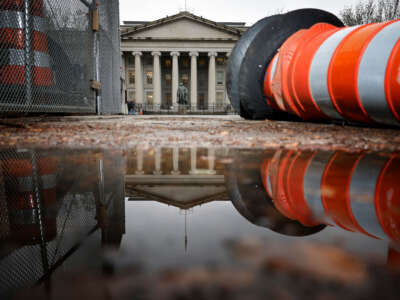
(239, 24)
(217, 25)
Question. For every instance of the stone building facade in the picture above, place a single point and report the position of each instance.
(157, 56)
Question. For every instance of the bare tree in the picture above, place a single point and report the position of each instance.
(370, 11)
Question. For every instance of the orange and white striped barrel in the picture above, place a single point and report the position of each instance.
(355, 191)
(269, 75)
(21, 199)
(349, 73)
(265, 166)
(12, 44)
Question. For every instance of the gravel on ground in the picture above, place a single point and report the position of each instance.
(190, 131)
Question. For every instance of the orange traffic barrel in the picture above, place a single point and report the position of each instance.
(22, 193)
(339, 73)
(266, 179)
(287, 173)
(355, 191)
(393, 258)
(269, 75)
(280, 88)
(12, 41)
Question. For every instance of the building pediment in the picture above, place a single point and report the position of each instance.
(183, 196)
(183, 26)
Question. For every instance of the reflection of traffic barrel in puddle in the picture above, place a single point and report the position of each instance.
(13, 45)
(324, 71)
(355, 191)
(245, 188)
(29, 221)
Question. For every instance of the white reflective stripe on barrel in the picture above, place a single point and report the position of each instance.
(16, 57)
(273, 69)
(15, 20)
(362, 193)
(24, 216)
(25, 184)
(372, 72)
(269, 185)
(312, 185)
(48, 181)
(318, 76)
(31, 215)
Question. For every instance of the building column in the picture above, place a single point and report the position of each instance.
(156, 79)
(139, 162)
(193, 160)
(227, 100)
(175, 161)
(138, 77)
(123, 84)
(211, 79)
(175, 77)
(193, 79)
(211, 161)
(157, 162)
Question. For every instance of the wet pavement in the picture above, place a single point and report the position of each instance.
(199, 222)
(187, 131)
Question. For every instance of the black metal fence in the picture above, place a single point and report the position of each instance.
(181, 109)
(60, 56)
(50, 201)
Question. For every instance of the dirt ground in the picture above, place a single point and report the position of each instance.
(190, 131)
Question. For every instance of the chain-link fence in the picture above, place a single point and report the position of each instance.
(59, 56)
(50, 201)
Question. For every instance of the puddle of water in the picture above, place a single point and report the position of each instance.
(181, 221)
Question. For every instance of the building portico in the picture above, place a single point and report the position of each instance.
(158, 55)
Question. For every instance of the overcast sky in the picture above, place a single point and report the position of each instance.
(248, 11)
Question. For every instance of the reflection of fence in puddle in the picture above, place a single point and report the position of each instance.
(49, 202)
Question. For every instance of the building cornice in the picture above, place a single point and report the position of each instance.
(182, 15)
(181, 39)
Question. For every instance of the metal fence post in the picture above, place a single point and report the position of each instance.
(39, 211)
(96, 54)
(28, 52)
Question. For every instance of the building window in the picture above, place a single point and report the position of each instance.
(149, 97)
(168, 63)
(147, 60)
(220, 61)
(168, 101)
(201, 101)
(185, 62)
(131, 60)
(185, 79)
(168, 79)
(131, 75)
(220, 99)
(220, 77)
(202, 80)
(202, 62)
(149, 77)
(131, 96)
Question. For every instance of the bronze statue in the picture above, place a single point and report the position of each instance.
(182, 95)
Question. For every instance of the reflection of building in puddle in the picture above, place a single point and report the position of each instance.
(50, 201)
(181, 177)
